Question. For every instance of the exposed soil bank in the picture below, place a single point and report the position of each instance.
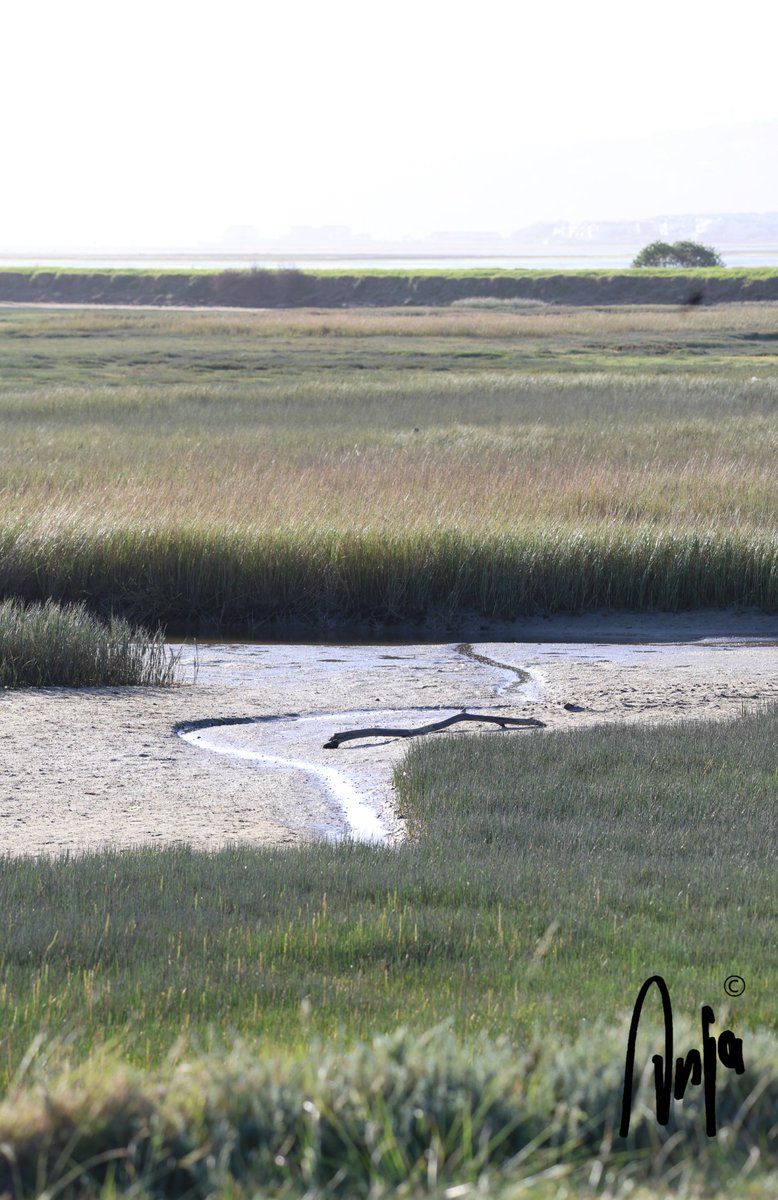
(87, 768)
(300, 289)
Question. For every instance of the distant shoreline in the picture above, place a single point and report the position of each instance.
(611, 257)
(742, 239)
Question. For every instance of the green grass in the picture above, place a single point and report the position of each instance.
(249, 466)
(382, 466)
(91, 346)
(546, 877)
(49, 645)
(398, 1116)
(327, 577)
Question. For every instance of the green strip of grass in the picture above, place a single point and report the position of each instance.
(335, 288)
(325, 577)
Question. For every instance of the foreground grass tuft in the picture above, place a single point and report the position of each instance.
(402, 1115)
(52, 645)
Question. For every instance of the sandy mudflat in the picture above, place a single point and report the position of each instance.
(81, 769)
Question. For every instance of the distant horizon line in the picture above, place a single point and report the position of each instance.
(540, 237)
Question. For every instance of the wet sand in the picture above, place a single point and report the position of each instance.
(88, 768)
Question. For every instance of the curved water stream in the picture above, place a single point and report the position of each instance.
(354, 815)
(362, 822)
(352, 687)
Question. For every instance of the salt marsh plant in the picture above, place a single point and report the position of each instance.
(52, 645)
(238, 466)
(546, 876)
(324, 575)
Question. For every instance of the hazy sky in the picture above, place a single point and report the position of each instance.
(163, 122)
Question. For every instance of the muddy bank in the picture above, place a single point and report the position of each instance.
(301, 289)
(88, 768)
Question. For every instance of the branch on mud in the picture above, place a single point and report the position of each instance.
(504, 722)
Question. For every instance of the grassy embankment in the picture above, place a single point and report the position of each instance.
(336, 288)
(389, 466)
(547, 876)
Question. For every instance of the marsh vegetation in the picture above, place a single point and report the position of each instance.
(53, 645)
(329, 467)
(336, 287)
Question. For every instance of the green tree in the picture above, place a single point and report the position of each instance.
(679, 254)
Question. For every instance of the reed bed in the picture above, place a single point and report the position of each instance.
(326, 576)
(397, 495)
(52, 645)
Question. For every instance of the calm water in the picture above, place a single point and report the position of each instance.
(602, 258)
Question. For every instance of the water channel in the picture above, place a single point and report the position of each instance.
(565, 684)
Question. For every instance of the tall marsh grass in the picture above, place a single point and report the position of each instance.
(325, 497)
(50, 645)
(324, 575)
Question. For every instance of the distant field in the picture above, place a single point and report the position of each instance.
(389, 465)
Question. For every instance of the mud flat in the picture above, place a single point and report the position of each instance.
(88, 768)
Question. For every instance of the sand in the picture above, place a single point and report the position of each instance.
(82, 769)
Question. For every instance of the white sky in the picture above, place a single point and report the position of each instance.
(163, 122)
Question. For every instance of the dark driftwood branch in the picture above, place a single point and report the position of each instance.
(349, 734)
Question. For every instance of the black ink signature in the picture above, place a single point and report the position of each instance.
(695, 1068)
